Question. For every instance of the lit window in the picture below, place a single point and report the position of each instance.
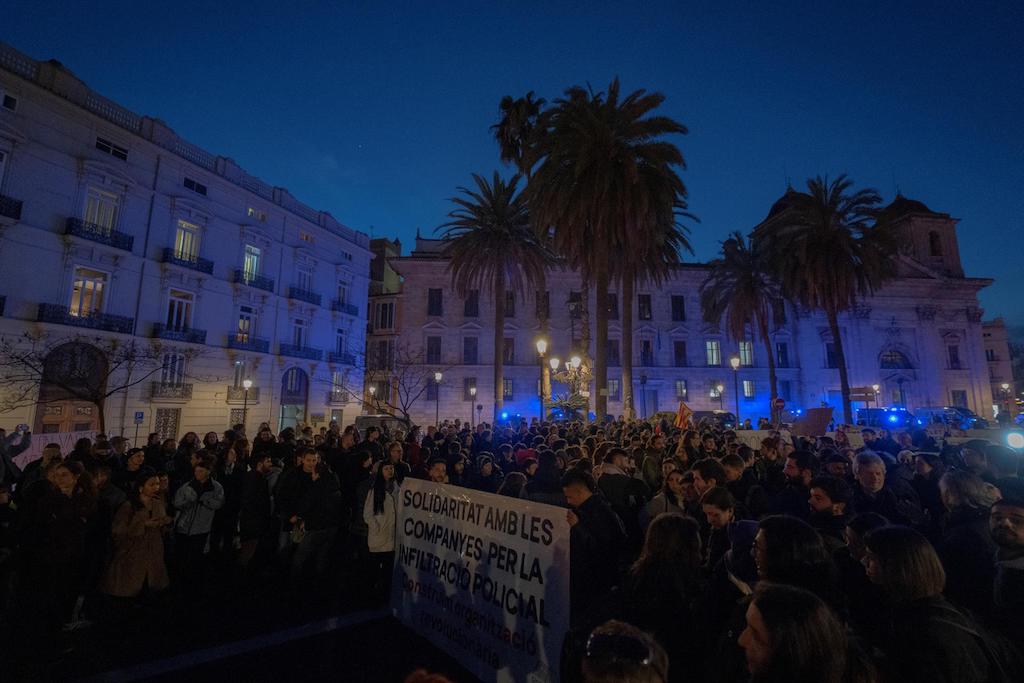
(186, 241)
(261, 216)
(748, 388)
(713, 352)
(172, 371)
(251, 263)
(746, 353)
(681, 389)
(246, 324)
(179, 310)
(87, 292)
(101, 209)
(305, 237)
(715, 393)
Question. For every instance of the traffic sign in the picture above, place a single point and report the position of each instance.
(779, 404)
(139, 417)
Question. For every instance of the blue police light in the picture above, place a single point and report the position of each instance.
(504, 416)
(893, 418)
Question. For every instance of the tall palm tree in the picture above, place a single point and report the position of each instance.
(492, 248)
(605, 177)
(831, 246)
(740, 290)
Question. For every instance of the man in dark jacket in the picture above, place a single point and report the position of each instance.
(1006, 521)
(872, 495)
(626, 494)
(829, 498)
(255, 517)
(316, 510)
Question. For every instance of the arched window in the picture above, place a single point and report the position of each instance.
(934, 244)
(891, 359)
(294, 386)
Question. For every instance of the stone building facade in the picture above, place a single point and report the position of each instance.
(1000, 366)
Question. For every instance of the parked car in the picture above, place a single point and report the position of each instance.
(955, 416)
(385, 423)
(721, 418)
(886, 418)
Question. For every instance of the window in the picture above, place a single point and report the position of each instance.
(746, 353)
(613, 353)
(934, 244)
(679, 353)
(179, 310)
(343, 292)
(304, 279)
(432, 392)
(261, 216)
(172, 371)
(385, 354)
(196, 187)
(543, 304)
(779, 313)
(347, 255)
(510, 304)
(87, 292)
(101, 209)
(958, 397)
(678, 308)
(241, 373)
(953, 355)
(434, 302)
(892, 359)
(575, 305)
(469, 348)
(990, 355)
(785, 390)
(433, 350)
(471, 306)
(385, 318)
(104, 145)
(646, 353)
(246, 324)
(186, 241)
(614, 390)
(468, 383)
(782, 354)
(305, 237)
(508, 352)
(713, 352)
(10, 102)
(644, 307)
(300, 332)
(613, 305)
(715, 393)
(338, 393)
(748, 388)
(831, 359)
(340, 341)
(506, 388)
(251, 263)
(680, 389)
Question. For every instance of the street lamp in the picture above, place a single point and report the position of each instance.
(643, 397)
(720, 388)
(1005, 386)
(373, 398)
(545, 378)
(734, 361)
(875, 388)
(437, 399)
(246, 385)
(472, 395)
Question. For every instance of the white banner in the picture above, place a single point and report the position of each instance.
(66, 441)
(484, 577)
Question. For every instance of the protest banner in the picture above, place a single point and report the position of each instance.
(485, 577)
(66, 441)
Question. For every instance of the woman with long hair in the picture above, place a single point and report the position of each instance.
(966, 547)
(669, 499)
(137, 563)
(788, 550)
(380, 512)
(513, 485)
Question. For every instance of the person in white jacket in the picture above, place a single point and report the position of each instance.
(196, 503)
(380, 513)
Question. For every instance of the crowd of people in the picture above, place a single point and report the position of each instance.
(694, 556)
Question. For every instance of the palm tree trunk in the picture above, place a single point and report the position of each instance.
(499, 345)
(626, 361)
(585, 332)
(601, 344)
(543, 318)
(772, 380)
(844, 380)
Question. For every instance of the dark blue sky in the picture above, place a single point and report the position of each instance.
(377, 112)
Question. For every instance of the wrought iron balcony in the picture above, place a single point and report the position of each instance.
(343, 358)
(190, 262)
(98, 233)
(304, 295)
(336, 397)
(342, 307)
(10, 207)
(187, 334)
(248, 343)
(301, 352)
(237, 395)
(257, 281)
(171, 392)
(56, 313)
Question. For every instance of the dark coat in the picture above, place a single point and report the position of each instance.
(597, 552)
(884, 503)
(138, 558)
(792, 501)
(968, 553)
(255, 516)
(317, 503)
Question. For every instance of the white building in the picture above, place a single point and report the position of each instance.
(1000, 366)
(113, 228)
(919, 339)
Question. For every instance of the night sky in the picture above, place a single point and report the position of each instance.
(376, 113)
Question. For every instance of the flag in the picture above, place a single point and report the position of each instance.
(682, 416)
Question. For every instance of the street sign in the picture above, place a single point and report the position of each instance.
(585, 394)
(139, 417)
(779, 404)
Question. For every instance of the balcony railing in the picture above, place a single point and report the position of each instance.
(304, 295)
(98, 233)
(257, 281)
(172, 392)
(237, 394)
(248, 343)
(190, 262)
(342, 307)
(306, 352)
(187, 334)
(336, 397)
(646, 361)
(56, 313)
(343, 358)
(10, 207)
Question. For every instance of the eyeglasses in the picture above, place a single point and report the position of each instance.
(623, 648)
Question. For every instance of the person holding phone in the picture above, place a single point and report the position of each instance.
(10, 447)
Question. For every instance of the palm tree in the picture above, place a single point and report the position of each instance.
(605, 180)
(740, 290)
(832, 246)
(491, 247)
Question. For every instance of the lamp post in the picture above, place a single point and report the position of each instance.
(472, 396)
(553, 363)
(373, 398)
(875, 388)
(246, 385)
(545, 378)
(643, 397)
(437, 399)
(1005, 386)
(734, 362)
(574, 369)
(720, 388)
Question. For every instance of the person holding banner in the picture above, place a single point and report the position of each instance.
(380, 511)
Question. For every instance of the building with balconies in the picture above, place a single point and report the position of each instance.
(996, 339)
(114, 227)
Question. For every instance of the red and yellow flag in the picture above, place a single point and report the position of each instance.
(682, 416)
